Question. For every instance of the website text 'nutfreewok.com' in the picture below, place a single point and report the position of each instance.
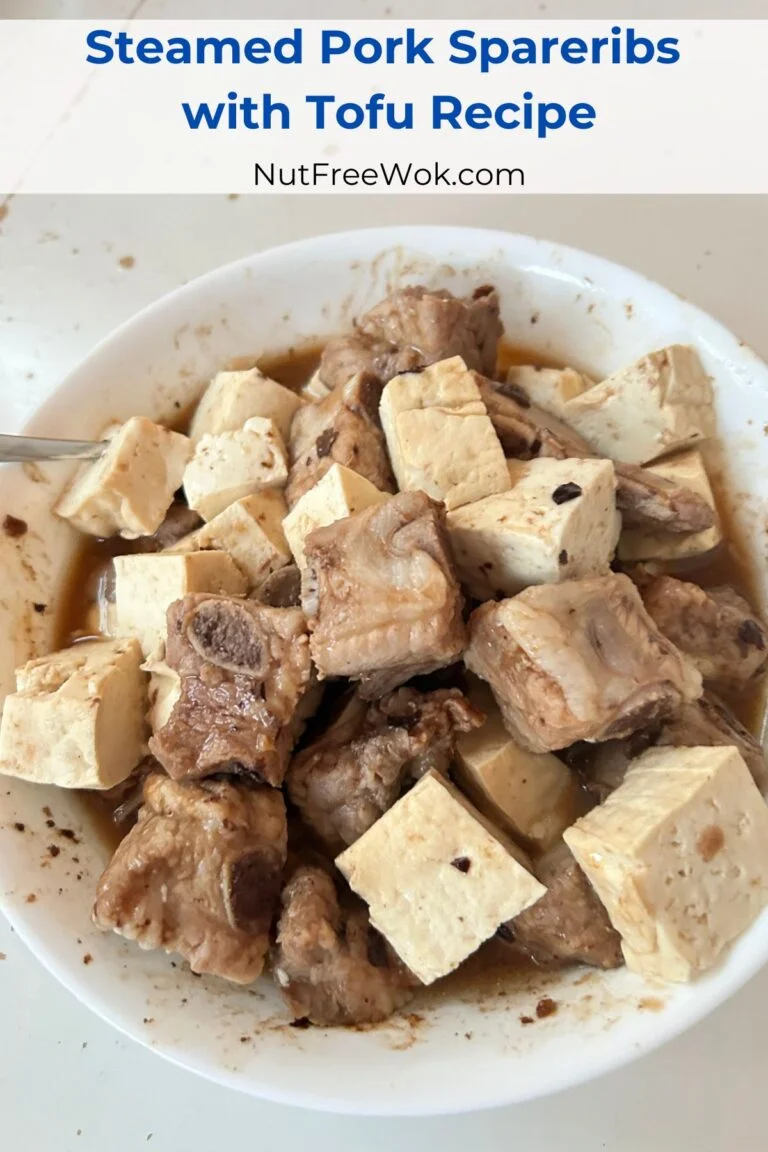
(320, 174)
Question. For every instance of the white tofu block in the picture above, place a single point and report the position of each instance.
(163, 691)
(315, 389)
(147, 584)
(231, 465)
(687, 469)
(250, 531)
(77, 717)
(439, 435)
(437, 878)
(678, 855)
(340, 493)
(549, 388)
(525, 536)
(130, 489)
(532, 796)
(659, 404)
(232, 398)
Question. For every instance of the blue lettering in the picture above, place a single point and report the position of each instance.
(334, 43)
(203, 115)
(460, 41)
(93, 41)
(320, 103)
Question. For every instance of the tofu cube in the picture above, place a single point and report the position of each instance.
(232, 398)
(437, 878)
(550, 388)
(315, 389)
(163, 691)
(340, 493)
(557, 522)
(250, 531)
(231, 465)
(130, 489)
(678, 855)
(440, 437)
(147, 584)
(659, 404)
(76, 719)
(532, 796)
(688, 470)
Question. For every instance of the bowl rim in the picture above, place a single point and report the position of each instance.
(527, 253)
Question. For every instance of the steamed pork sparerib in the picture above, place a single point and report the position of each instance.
(381, 596)
(199, 874)
(581, 660)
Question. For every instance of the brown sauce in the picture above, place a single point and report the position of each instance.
(510, 355)
(293, 368)
(491, 967)
(495, 970)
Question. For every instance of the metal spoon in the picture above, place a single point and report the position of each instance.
(15, 449)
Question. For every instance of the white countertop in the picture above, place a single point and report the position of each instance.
(68, 1081)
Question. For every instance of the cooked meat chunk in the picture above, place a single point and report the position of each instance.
(716, 628)
(644, 499)
(179, 521)
(244, 670)
(280, 590)
(526, 431)
(602, 767)
(120, 805)
(568, 925)
(440, 325)
(710, 723)
(199, 874)
(704, 723)
(342, 429)
(381, 594)
(581, 660)
(415, 327)
(348, 356)
(356, 770)
(330, 964)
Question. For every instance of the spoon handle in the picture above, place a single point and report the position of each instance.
(14, 449)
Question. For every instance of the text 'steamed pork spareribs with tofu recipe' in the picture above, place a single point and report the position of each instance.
(433, 646)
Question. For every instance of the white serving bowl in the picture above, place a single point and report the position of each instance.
(465, 1052)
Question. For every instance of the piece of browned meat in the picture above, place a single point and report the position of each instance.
(568, 925)
(120, 804)
(381, 595)
(356, 770)
(718, 629)
(526, 431)
(244, 670)
(704, 723)
(331, 965)
(709, 723)
(343, 429)
(647, 500)
(581, 660)
(415, 327)
(347, 356)
(199, 874)
(644, 499)
(281, 589)
(179, 521)
(602, 767)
